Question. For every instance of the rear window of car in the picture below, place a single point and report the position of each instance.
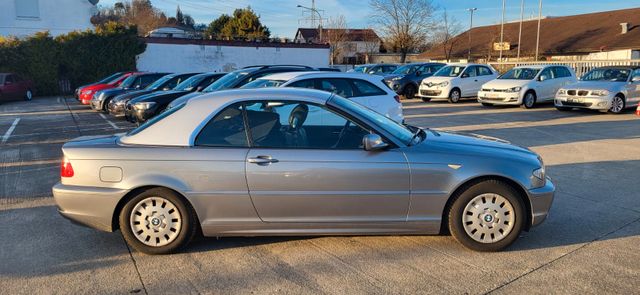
(155, 120)
(365, 88)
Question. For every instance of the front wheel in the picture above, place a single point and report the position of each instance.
(484, 104)
(617, 104)
(454, 96)
(410, 91)
(426, 99)
(487, 216)
(28, 95)
(157, 221)
(529, 100)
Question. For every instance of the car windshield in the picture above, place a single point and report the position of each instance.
(111, 78)
(399, 131)
(157, 84)
(263, 83)
(128, 82)
(227, 81)
(405, 70)
(450, 71)
(361, 69)
(520, 74)
(187, 85)
(607, 74)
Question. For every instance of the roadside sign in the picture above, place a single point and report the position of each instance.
(501, 46)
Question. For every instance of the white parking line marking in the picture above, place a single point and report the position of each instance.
(110, 123)
(8, 133)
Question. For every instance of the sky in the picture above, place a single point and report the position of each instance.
(283, 17)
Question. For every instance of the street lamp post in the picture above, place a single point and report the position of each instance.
(502, 29)
(314, 10)
(520, 31)
(538, 35)
(471, 10)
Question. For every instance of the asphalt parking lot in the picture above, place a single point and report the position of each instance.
(589, 244)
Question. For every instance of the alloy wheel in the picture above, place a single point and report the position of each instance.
(488, 218)
(155, 221)
(529, 100)
(617, 104)
(29, 95)
(454, 96)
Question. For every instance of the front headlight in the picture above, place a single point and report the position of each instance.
(443, 84)
(87, 92)
(514, 89)
(539, 178)
(562, 92)
(396, 78)
(144, 105)
(599, 92)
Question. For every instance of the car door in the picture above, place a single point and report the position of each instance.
(303, 170)
(633, 88)
(11, 88)
(544, 89)
(484, 75)
(469, 83)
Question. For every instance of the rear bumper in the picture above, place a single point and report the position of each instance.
(541, 200)
(89, 206)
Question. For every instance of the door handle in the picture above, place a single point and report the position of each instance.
(262, 160)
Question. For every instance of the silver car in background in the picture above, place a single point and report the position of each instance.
(287, 161)
(606, 89)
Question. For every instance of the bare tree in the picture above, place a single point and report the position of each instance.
(445, 34)
(371, 43)
(405, 24)
(336, 35)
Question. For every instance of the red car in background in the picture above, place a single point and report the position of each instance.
(14, 87)
(638, 110)
(86, 93)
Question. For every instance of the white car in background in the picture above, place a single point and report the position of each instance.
(456, 81)
(606, 89)
(367, 90)
(526, 85)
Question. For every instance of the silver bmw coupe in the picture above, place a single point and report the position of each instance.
(289, 161)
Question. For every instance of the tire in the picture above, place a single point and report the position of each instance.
(529, 100)
(28, 95)
(426, 99)
(105, 106)
(169, 235)
(484, 104)
(410, 91)
(474, 228)
(563, 109)
(617, 104)
(454, 95)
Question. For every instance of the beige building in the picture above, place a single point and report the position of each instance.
(349, 46)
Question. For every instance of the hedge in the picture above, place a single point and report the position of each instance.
(77, 57)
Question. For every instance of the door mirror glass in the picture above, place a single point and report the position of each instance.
(543, 77)
(199, 89)
(464, 75)
(635, 78)
(418, 73)
(373, 142)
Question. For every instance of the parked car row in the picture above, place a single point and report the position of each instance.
(140, 96)
(606, 89)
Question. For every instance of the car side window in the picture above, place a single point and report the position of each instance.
(365, 88)
(470, 72)
(226, 129)
(547, 72)
(301, 125)
(635, 73)
(338, 86)
(307, 83)
(9, 78)
(484, 71)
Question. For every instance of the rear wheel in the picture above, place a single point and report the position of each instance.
(454, 95)
(487, 216)
(617, 104)
(426, 99)
(410, 91)
(28, 95)
(157, 221)
(486, 104)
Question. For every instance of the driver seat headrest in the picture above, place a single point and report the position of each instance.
(298, 116)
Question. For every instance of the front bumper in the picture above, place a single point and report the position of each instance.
(433, 91)
(541, 200)
(502, 98)
(115, 109)
(584, 102)
(89, 206)
(96, 104)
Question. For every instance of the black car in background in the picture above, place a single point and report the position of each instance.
(238, 78)
(166, 83)
(138, 81)
(146, 106)
(406, 79)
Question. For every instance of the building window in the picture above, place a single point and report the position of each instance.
(27, 9)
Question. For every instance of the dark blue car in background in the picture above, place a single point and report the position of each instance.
(406, 79)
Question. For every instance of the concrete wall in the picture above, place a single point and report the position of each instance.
(223, 58)
(56, 16)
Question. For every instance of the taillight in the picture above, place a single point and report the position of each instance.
(65, 169)
(397, 98)
(638, 110)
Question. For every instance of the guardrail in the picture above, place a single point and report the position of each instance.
(579, 66)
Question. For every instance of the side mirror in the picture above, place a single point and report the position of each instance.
(373, 142)
(465, 75)
(543, 77)
(418, 73)
(635, 79)
(166, 88)
(199, 89)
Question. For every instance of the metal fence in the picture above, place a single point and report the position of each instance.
(579, 66)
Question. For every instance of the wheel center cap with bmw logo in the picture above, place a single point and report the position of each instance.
(155, 221)
(488, 218)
